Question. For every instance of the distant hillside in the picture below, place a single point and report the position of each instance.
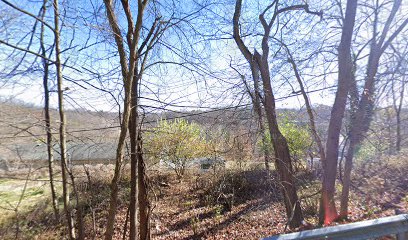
(22, 127)
(21, 120)
(245, 116)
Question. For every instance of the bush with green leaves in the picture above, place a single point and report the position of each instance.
(297, 136)
(176, 143)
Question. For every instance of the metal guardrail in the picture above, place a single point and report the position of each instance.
(371, 229)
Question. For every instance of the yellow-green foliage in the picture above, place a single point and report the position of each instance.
(176, 143)
(298, 138)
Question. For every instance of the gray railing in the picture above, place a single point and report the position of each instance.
(371, 229)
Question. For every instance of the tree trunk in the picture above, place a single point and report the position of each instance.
(136, 166)
(360, 123)
(113, 201)
(143, 198)
(128, 66)
(133, 125)
(283, 162)
(398, 108)
(328, 211)
(138, 172)
(266, 150)
(348, 165)
(256, 101)
(47, 118)
(398, 141)
(62, 130)
(80, 217)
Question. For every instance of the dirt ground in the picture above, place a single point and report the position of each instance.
(229, 205)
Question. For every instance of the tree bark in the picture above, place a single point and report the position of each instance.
(138, 172)
(256, 101)
(62, 129)
(134, 155)
(118, 166)
(143, 198)
(328, 211)
(128, 68)
(47, 118)
(283, 162)
(360, 123)
(397, 109)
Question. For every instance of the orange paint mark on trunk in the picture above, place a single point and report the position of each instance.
(329, 213)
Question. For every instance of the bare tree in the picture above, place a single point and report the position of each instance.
(47, 118)
(398, 103)
(46, 62)
(62, 125)
(259, 63)
(398, 75)
(138, 169)
(128, 69)
(360, 121)
(256, 96)
(312, 122)
(327, 205)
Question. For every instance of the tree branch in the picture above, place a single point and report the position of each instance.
(236, 34)
(29, 14)
(113, 22)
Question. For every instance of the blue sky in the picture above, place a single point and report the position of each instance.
(212, 84)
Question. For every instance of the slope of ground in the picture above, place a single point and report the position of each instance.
(230, 205)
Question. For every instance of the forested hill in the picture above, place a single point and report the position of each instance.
(20, 120)
(22, 126)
